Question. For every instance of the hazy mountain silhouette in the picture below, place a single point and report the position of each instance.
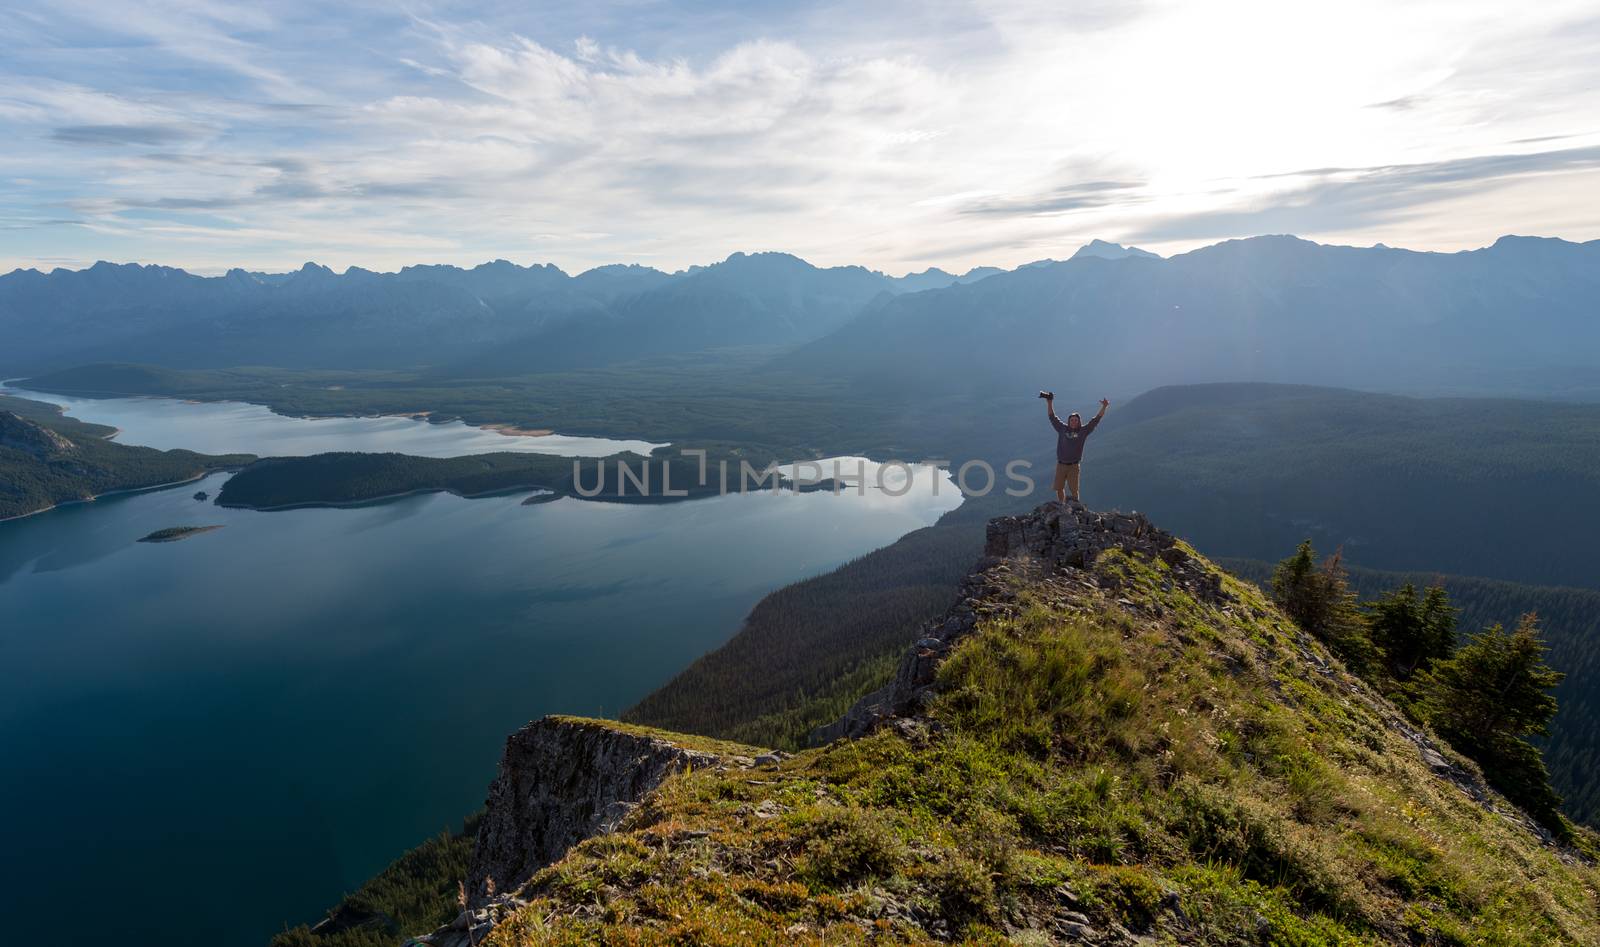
(748, 299)
(1111, 251)
(1521, 315)
(497, 316)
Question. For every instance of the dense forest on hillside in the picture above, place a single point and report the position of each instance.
(51, 416)
(810, 649)
(415, 892)
(46, 459)
(1465, 486)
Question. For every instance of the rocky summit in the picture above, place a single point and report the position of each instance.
(1107, 740)
(1054, 541)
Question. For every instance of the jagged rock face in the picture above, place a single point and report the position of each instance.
(1054, 539)
(24, 435)
(560, 782)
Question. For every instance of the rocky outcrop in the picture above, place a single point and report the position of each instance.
(1055, 539)
(561, 780)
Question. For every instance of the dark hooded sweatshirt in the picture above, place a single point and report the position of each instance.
(1069, 444)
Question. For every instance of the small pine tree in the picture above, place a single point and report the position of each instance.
(1295, 587)
(1438, 625)
(1319, 600)
(1488, 699)
(1410, 631)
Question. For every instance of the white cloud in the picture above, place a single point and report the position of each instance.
(898, 136)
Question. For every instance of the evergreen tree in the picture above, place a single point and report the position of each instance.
(1488, 699)
(1319, 600)
(1295, 586)
(1438, 625)
(1412, 632)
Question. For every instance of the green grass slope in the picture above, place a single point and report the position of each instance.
(1571, 622)
(1107, 756)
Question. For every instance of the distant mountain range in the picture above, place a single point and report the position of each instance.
(497, 317)
(1521, 316)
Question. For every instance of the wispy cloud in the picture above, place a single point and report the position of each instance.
(123, 134)
(1351, 199)
(900, 134)
(1060, 200)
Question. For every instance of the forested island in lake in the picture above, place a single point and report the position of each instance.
(343, 478)
(174, 533)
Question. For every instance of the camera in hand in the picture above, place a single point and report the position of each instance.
(1047, 395)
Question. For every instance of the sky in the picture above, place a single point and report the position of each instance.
(893, 135)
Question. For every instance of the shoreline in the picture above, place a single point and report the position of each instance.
(373, 501)
(111, 493)
(429, 416)
(61, 410)
(550, 495)
(512, 430)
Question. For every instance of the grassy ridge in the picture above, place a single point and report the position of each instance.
(1571, 620)
(1134, 758)
(764, 684)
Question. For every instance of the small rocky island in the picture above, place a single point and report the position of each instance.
(174, 533)
(201, 496)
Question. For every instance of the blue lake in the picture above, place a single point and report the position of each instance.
(229, 427)
(209, 739)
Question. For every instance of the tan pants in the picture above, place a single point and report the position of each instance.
(1067, 475)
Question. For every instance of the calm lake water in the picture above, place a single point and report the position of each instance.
(231, 427)
(208, 739)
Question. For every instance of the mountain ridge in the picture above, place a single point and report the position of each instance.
(1106, 740)
(1270, 309)
(1518, 315)
(496, 316)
